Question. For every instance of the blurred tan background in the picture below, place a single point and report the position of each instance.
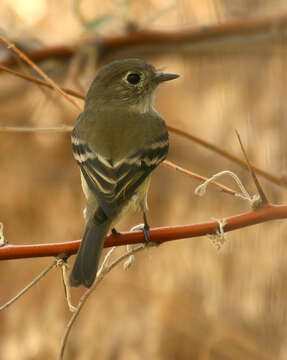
(185, 299)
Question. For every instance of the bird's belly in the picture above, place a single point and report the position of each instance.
(137, 202)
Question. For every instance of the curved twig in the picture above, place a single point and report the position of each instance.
(101, 274)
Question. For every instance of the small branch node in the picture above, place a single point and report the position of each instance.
(256, 202)
(219, 238)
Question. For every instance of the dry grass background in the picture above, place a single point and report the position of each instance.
(183, 300)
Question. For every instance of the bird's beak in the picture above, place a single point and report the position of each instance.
(160, 76)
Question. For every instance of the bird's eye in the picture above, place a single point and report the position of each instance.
(133, 78)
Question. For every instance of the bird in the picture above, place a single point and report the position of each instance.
(117, 141)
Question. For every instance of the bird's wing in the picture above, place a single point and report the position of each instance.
(113, 182)
(133, 170)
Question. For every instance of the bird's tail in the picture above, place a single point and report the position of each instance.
(86, 265)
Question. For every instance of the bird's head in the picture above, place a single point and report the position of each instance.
(128, 82)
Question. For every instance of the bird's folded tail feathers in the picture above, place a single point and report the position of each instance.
(86, 265)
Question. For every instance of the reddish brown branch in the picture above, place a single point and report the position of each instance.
(158, 235)
(195, 40)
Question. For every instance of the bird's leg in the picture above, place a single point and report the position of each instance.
(115, 232)
(146, 228)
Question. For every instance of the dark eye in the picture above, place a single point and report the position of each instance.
(133, 78)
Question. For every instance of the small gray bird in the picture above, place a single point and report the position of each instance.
(118, 140)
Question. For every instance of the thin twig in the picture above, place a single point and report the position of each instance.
(198, 177)
(41, 82)
(250, 168)
(32, 283)
(227, 155)
(62, 263)
(84, 298)
(39, 71)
